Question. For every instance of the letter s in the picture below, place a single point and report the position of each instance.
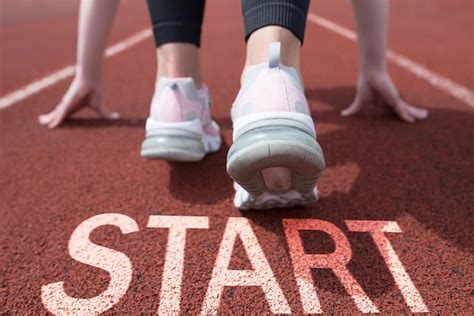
(83, 250)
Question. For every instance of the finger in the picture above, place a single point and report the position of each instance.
(391, 98)
(352, 109)
(60, 115)
(106, 113)
(418, 113)
(69, 105)
(364, 95)
(403, 113)
(45, 119)
(388, 94)
(56, 121)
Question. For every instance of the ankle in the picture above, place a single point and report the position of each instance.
(88, 78)
(373, 75)
(259, 42)
(179, 60)
(179, 75)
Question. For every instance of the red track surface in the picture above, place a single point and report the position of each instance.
(419, 175)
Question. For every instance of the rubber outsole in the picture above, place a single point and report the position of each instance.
(178, 144)
(172, 148)
(286, 140)
(268, 147)
(245, 201)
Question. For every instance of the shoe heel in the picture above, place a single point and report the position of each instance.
(275, 146)
(174, 142)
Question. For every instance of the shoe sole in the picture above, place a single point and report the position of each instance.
(279, 140)
(244, 201)
(182, 141)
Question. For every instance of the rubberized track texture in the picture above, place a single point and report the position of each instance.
(87, 225)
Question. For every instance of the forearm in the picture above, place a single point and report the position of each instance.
(95, 22)
(371, 20)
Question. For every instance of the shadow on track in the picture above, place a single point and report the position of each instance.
(102, 123)
(189, 181)
(423, 170)
(192, 181)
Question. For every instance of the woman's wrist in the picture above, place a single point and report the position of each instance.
(93, 78)
(372, 72)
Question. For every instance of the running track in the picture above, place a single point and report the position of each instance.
(417, 178)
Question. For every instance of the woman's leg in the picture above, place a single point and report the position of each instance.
(374, 82)
(95, 22)
(180, 126)
(178, 60)
(177, 31)
(275, 159)
(259, 41)
(274, 21)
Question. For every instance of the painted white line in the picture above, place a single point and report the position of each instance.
(128, 42)
(36, 86)
(319, 20)
(445, 84)
(452, 88)
(68, 71)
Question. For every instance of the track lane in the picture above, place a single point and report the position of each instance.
(428, 33)
(54, 180)
(38, 44)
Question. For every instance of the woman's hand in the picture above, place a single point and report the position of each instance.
(79, 95)
(378, 88)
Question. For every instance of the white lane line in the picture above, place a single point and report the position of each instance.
(68, 71)
(445, 84)
(452, 88)
(128, 42)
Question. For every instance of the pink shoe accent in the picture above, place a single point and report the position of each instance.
(178, 100)
(180, 127)
(272, 91)
(209, 127)
(171, 105)
(272, 128)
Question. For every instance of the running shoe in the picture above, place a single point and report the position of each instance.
(180, 127)
(275, 159)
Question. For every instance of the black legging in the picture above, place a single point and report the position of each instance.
(180, 21)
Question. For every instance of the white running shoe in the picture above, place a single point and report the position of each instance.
(180, 127)
(275, 159)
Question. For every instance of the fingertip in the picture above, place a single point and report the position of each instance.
(352, 109)
(416, 112)
(45, 119)
(106, 114)
(409, 119)
(54, 124)
(403, 116)
(349, 111)
(110, 116)
(42, 119)
(423, 114)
